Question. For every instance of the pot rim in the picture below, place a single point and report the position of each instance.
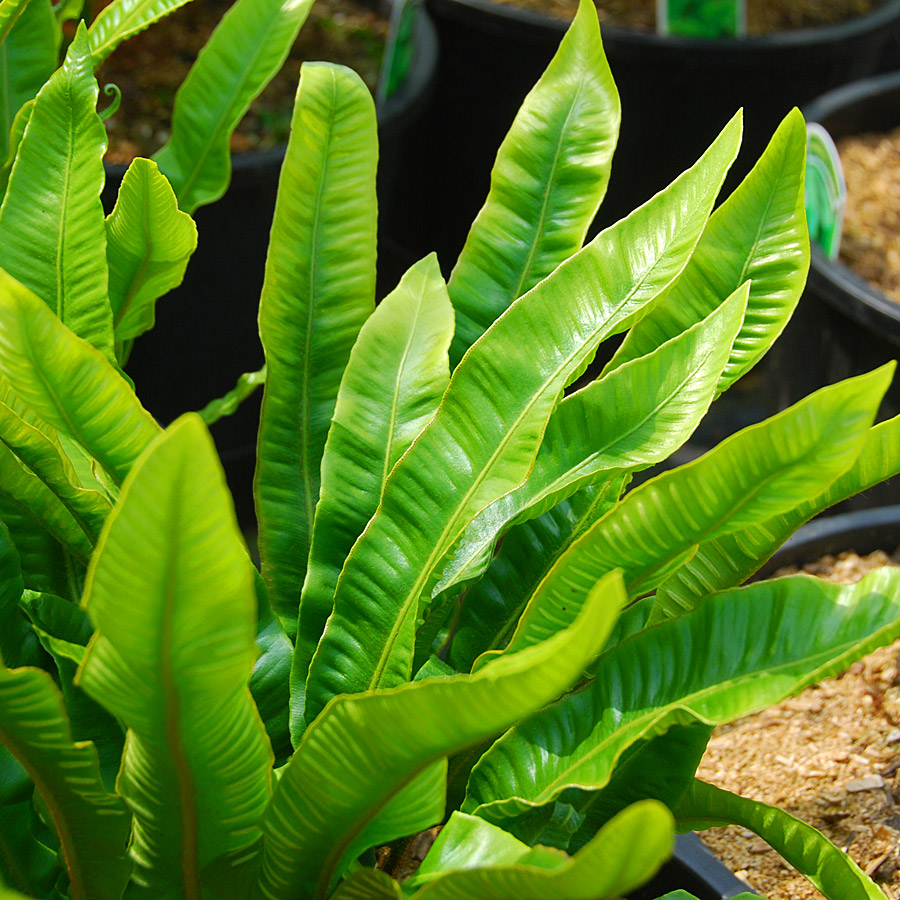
(390, 114)
(797, 39)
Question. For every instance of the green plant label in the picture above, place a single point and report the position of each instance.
(826, 190)
(399, 49)
(702, 18)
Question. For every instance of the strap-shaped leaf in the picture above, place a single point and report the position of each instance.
(13, 625)
(52, 237)
(635, 416)
(759, 233)
(27, 59)
(738, 652)
(484, 438)
(491, 608)
(36, 444)
(149, 243)
(247, 48)
(27, 491)
(45, 565)
(68, 383)
(391, 388)
(728, 560)
(366, 747)
(546, 185)
(64, 630)
(119, 20)
(606, 867)
(319, 289)
(10, 10)
(174, 667)
(762, 471)
(93, 826)
(828, 867)
(368, 884)
(15, 138)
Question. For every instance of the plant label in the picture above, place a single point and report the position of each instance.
(826, 190)
(701, 18)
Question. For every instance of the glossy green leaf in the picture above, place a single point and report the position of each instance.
(391, 388)
(728, 560)
(241, 56)
(318, 291)
(93, 826)
(174, 668)
(491, 608)
(10, 10)
(608, 866)
(635, 416)
(368, 884)
(417, 806)
(64, 631)
(36, 445)
(759, 234)
(119, 20)
(148, 244)
(762, 471)
(828, 867)
(229, 403)
(15, 138)
(12, 625)
(68, 383)
(26, 490)
(45, 565)
(364, 748)
(546, 185)
(52, 237)
(484, 438)
(27, 59)
(736, 653)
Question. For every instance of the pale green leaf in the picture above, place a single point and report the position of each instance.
(828, 867)
(319, 289)
(241, 56)
(15, 138)
(93, 826)
(728, 560)
(174, 668)
(119, 20)
(52, 237)
(759, 234)
(738, 652)
(762, 471)
(366, 747)
(394, 380)
(68, 383)
(27, 59)
(607, 867)
(484, 438)
(546, 185)
(10, 10)
(149, 243)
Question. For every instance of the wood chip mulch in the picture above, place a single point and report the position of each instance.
(830, 756)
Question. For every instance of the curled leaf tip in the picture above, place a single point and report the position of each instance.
(111, 90)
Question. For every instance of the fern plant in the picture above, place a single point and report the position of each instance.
(463, 616)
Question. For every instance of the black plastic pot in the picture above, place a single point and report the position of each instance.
(695, 869)
(843, 326)
(206, 334)
(676, 95)
(861, 531)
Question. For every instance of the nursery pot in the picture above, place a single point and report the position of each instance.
(206, 332)
(677, 93)
(843, 325)
(695, 869)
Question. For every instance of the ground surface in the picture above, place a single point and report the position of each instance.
(829, 756)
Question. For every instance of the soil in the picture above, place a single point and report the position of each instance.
(149, 68)
(763, 16)
(830, 756)
(870, 242)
